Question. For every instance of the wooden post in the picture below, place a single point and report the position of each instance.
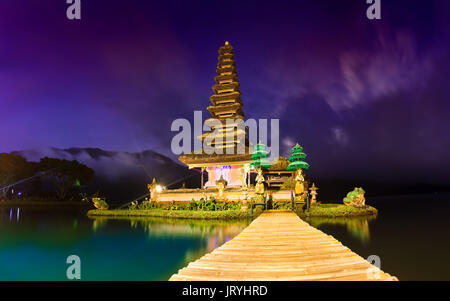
(292, 201)
(265, 201)
(307, 202)
(201, 175)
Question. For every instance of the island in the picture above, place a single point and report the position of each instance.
(240, 181)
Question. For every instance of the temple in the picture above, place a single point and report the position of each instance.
(225, 154)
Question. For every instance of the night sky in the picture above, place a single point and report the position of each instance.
(364, 98)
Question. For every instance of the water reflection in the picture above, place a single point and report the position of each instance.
(44, 237)
(217, 232)
(357, 227)
(12, 213)
(211, 233)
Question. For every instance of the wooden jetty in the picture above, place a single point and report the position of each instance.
(278, 245)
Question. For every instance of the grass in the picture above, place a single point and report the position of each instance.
(185, 214)
(322, 210)
(340, 210)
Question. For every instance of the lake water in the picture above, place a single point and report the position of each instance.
(410, 235)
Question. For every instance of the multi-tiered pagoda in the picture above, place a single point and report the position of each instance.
(227, 154)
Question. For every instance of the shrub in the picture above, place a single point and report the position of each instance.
(200, 205)
(282, 205)
(289, 184)
(147, 205)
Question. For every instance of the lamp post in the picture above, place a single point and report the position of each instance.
(313, 193)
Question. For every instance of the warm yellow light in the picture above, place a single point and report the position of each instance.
(159, 188)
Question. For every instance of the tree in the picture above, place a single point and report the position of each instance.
(68, 177)
(297, 159)
(13, 168)
(280, 164)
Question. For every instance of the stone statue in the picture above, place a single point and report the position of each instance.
(244, 175)
(100, 203)
(259, 188)
(221, 184)
(299, 179)
(355, 198)
(300, 190)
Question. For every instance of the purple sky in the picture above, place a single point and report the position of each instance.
(363, 97)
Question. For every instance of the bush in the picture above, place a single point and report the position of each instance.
(204, 205)
(200, 205)
(289, 184)
(286, 205)
(147, 205)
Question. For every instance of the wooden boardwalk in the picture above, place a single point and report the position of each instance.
(278, 245)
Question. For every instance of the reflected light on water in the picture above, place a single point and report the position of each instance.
(11, 213)
(215, 232)
(357, 227)
(212, 233)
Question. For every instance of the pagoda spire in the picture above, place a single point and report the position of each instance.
(226, 99)
(225, 147)
(226, 103)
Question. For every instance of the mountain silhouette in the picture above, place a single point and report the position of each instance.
(122, 176)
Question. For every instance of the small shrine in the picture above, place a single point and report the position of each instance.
(278, 174)
(221, 184)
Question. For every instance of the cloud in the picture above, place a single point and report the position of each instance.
(391, 66)
(112, 166)
(339, 135)
(287, 144)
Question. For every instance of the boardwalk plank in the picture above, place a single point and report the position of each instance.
(278, 245)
